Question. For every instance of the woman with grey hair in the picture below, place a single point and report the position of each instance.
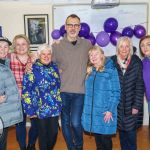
(130, 108)
(41, 97)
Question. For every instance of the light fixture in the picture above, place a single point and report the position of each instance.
(96, 4)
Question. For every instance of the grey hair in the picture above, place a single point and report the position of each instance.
(44, 47)
(121, 40)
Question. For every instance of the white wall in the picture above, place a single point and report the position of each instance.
(12, 16)
(12, 20)
(11, 13)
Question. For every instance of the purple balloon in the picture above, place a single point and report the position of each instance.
(110, 25)
(139, 31)
(55, 34)
(62, 30)
(102, 39)
(85, 30)
(114, 36)
(92, 39)
(127, 31)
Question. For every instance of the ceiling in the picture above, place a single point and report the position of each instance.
(20, 0)
(41, 0)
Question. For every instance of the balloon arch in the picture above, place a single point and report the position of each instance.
(103, 38)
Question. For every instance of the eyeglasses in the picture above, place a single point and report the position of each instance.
(73, 25)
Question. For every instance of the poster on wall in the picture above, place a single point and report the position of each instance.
(36, 29)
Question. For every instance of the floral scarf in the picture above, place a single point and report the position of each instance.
(123, 63)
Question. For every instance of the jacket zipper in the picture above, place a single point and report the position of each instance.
(92, 102)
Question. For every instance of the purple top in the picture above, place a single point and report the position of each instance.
(146, 76)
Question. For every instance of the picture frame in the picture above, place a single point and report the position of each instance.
(36, 28)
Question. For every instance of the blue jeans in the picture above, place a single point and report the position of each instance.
(72, 107)
(21, 132)
(128, 140)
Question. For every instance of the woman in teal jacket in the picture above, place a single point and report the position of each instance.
(102, 94)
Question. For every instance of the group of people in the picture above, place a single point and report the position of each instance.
(73, 80)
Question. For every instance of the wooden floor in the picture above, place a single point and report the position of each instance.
(89, 144)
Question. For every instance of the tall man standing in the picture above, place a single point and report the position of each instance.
(71, 55)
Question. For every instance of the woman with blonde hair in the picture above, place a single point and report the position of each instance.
(18, 61)
(102, 94)
(130, 115)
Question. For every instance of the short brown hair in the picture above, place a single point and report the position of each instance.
(72, 16)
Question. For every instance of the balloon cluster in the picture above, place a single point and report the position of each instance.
(103, 38)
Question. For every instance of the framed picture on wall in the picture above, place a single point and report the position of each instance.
(36, 28)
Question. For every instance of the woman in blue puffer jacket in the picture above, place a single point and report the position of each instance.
(41, 97)
(102, 94)
(10, 103)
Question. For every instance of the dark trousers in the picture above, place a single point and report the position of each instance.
(128, 140)
(3, 139)
(48, 130)
(103, 142)
(21, 133)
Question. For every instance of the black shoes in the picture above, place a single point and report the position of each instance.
(31, 147)
(77, 148)
(24, 148)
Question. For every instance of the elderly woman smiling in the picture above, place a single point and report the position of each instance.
(41, 97)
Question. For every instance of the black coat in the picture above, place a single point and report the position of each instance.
(132, 94)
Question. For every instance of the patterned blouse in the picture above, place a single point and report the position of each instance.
(41, 91)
